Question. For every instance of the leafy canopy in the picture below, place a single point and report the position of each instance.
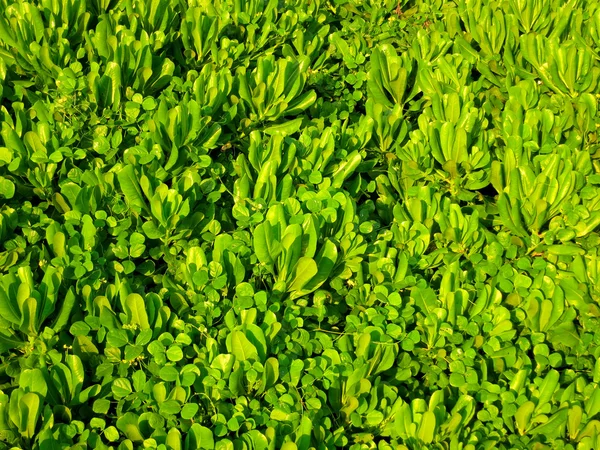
(310, 224)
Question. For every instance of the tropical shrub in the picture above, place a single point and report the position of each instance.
(310, 224)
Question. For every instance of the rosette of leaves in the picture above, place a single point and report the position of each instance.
(391, 129)
(32, 312)
(261, 27)
(274, 89)
(19, 416)
(588, 218)
(44, 37)
(337, 156)
(277, 165)
(534, 15)
(211, 88)
(178, 137)
(592, 27)
(158, 18)
(390, 79)
(293, 253)
(203, 36)
(459, 232)
(268, 159)
(419, 424)
(254, 12)
(489, 27)
(407, 245)
(565, 67)
(170, 213)
(220, 271)
(309, 42)
(460, 141)
(531, 196)
(126, 62)
(34, 156)
(9, 255)
(527, 129)
(338, 218)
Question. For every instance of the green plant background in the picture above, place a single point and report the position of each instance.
(310, 224)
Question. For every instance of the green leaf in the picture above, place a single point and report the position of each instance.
(174, 353)
(553, 427)
(128, 180)
(136, 311)
(169, 373)
(30, 408)
(305, 269)
(189, 411)
(240, 347)
(121, 387)
(200, 437)
(7, 188)
(64, 314)
(425, 299)
(428, 427)
(128, 425)
(262, 243)
(523, 416)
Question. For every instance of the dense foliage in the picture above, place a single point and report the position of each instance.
(300, 224)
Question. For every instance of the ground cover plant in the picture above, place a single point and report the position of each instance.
(304, 224)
